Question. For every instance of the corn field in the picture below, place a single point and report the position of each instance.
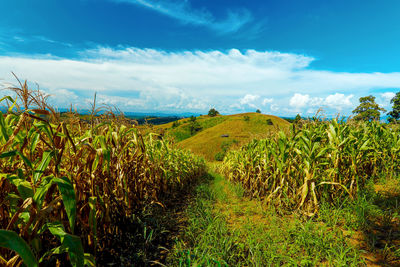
(67, 188)
(320, 160)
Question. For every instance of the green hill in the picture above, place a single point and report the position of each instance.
(216, 135)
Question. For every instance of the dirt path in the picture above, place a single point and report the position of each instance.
(380, 237)
(228, 229)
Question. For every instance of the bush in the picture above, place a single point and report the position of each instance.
(220, 156)
(269, 122)
(175, 124)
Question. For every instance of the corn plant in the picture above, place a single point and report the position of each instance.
(70, 187)
(323, 159)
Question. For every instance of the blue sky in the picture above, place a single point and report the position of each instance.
(283, 57)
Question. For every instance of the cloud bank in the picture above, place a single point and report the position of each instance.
(231, 81)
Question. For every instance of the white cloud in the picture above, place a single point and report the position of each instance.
(299, 100)
(267, 101)
(334, 102)
(249, 99)
(274, 107)
(196, 80)
(338, 101)
(183, 11)
(388, 96)
(384, 99)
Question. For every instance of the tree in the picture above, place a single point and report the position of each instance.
(297, 119)
(395, 113)
(194, 125)
(258, 111)
(213, 112)
(175, 124)
(368, 109)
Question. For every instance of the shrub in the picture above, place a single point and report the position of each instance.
(220, 156)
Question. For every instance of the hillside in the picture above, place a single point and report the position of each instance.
(239, 129)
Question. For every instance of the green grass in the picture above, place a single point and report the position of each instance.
(227, 229)
(182, 132)
(209, 142)
(372, 221)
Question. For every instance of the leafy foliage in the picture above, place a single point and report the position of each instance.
(258, 111)
(395, 113)
(213, 112)
(175, 124)
(368, 109)
(194, 125)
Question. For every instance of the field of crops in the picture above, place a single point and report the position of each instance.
(91, 191)
(317, 160)
(69, 190)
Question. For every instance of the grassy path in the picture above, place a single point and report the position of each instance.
(225, 228)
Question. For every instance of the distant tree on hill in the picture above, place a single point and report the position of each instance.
(297, 119)
(194, 125)
(213, 112)
(395, 113)
(258, 111)
(175, 124)
(368, 109)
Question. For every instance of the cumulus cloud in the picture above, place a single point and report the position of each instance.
(249, 100)
(299, 100)
(338, 101)
(388, 96)
(196, 80)
(183, 12)
(274, 107)
(267, 101)
(334, 102)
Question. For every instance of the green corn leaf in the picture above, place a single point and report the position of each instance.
(106, 151)
(25, 159)
(69, 199)
(89, 260)
(24, 187)
(322, 152)
(47, 156)
(75, 249)
(70, 243)
(92, 215)
(365, 145)
(56, 228)
(11, 240)
(8, 154)
(42, 190)
(9, 98)
(35, 141)
(54, 251)
(3, 127)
